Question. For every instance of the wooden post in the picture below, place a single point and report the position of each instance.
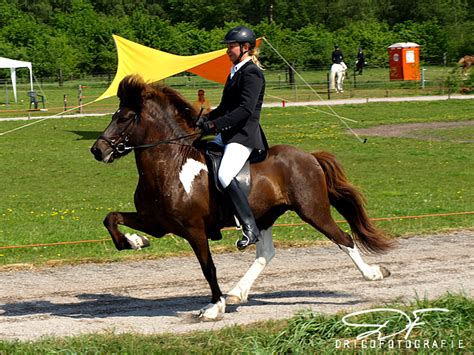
(329, 87)
(80, 98)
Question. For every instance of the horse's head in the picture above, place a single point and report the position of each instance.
(147, 114)
(124, 127)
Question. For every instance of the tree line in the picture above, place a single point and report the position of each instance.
(74, 37)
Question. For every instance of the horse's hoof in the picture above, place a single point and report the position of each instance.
(137, 241)
(376, 273)
(232, 299)
(385, 272)
(213, 311)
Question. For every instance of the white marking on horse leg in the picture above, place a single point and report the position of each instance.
(213, 311)
(190, 169)
(265, 253)
(370, 272)
(240, 293)
(137, 241)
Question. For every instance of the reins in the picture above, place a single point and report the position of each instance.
(166, 141)
(123, 145)
(150, 145)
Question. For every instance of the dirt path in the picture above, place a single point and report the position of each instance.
(160, 296)
(423, 131)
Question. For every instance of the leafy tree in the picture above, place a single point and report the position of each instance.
(54, 54)
(372, 36)
(75, 36)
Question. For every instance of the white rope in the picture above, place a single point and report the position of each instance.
(43, 119)
(334, 113)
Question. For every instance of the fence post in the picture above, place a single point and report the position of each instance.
(80, 98)
(329, 87)
(423, 78)
(291, 75)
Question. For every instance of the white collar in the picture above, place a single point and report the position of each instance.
(237, 66)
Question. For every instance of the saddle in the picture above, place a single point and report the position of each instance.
(214, 153)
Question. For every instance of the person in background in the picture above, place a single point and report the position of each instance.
(236, 122)
(202, 103)
(360, 62)
(337, 56)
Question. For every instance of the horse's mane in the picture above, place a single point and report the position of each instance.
(133, 91)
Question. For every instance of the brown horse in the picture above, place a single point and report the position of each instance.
(175, 193)
(466, 62)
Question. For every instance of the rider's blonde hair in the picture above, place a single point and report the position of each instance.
(254, 56)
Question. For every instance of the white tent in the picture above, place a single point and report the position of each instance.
(13, 65)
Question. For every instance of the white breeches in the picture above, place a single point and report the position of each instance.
(234, 158)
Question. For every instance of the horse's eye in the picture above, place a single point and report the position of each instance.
(121, 118)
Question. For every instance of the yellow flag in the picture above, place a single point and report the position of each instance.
(154, 65)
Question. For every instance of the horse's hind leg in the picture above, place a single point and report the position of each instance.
(316, 211)
(265, 253)
(314, 208)
(345, 242)
(370, 272)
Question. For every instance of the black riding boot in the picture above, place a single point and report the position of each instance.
(244, 214)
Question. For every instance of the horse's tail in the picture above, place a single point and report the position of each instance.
(350, 203)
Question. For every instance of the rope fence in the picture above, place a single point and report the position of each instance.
(232, 228)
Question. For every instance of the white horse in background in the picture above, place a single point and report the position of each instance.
(336, 76)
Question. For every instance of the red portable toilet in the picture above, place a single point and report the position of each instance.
(404, 61)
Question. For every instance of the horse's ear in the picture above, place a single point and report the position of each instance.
(130, 92)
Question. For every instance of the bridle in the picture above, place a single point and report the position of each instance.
(121, 145)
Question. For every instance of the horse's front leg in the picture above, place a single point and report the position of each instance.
(265, 253)
(132, 220)
(216, 309)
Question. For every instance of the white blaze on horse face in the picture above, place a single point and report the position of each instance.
(189, 171)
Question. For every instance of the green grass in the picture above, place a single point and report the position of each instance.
(306, 333)
(54, 191)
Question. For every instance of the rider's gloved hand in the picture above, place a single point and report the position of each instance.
(207, 127)
(201, 120)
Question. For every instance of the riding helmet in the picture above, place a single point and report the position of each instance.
(240, 34)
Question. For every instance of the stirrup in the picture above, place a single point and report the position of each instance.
(243, 243)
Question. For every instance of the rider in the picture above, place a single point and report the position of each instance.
(236, 120)
(338, 57)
